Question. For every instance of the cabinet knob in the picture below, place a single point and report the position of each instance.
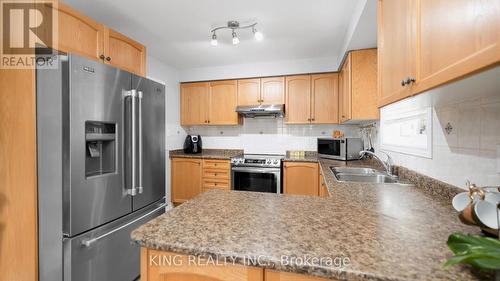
(313, 119)
(343, 116)
(102, 57)
(108, 58)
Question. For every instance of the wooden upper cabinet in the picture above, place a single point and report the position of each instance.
(249, 91)
(272, 90)
(433, 43)
(79, 34)
(324, 98)
(185, 179)
(358, 86)
(301, 178)
(454, 39)
(194, 103)
(345, 90)
(364, 85)
(395, 49)
(222, 104)
(124, 53)
(298, 99)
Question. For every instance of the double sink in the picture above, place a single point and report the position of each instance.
(368, 175)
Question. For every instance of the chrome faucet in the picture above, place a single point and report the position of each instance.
(387, 164)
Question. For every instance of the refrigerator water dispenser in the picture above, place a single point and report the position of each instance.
(100, 142)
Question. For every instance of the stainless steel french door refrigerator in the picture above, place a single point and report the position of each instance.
(101, 168)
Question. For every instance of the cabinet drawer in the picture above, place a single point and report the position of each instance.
(215, 184)
(216, 164)
(216, 173)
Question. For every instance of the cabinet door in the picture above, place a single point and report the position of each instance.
(455, 39)
(249, 92)
(273, 90)
(222, 104)
(124, 53)
(323, 190)
(363, 65)
(186, 269)
(395, 55)
(79, 34)
(300, 178)
(185, 179)
(298, 99)
(325, 98)
(194, 103)
(345, 91)
(272, 275)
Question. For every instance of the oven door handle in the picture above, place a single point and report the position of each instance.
(256, 170)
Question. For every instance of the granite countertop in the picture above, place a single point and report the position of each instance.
(388, 232)
(222, 154)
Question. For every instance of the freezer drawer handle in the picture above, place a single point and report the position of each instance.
(87, 242)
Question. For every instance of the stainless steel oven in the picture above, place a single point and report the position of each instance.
(259, 173)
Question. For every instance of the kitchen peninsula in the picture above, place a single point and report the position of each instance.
(377, 231)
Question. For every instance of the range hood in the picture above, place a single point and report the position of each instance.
(255, 111)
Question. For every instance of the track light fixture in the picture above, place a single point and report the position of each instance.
(236, 40)
(214, 42)
(235, 25)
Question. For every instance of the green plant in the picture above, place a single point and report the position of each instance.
(480, 252)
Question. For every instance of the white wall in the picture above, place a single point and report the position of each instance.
(268, 135)
(175, 134)
(472, 149)
(260, 69)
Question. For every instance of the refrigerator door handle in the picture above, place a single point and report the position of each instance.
(140, 187)
(87, 242)
(133, 190)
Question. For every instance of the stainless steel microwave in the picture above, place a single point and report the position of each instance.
(340, 148)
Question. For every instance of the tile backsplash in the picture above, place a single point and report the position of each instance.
(268, 135)
(471, 149)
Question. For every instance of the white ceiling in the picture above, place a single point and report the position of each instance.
(178, 31)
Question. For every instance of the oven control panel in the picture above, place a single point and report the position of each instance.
(272, 162)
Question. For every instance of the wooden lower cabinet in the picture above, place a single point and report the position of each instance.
(272, 275)
(192, 176)
(166, 266)
(216, 174)
(323, 190)
(185, 179)
(301, 178)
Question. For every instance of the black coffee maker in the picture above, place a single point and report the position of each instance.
(192, 144)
